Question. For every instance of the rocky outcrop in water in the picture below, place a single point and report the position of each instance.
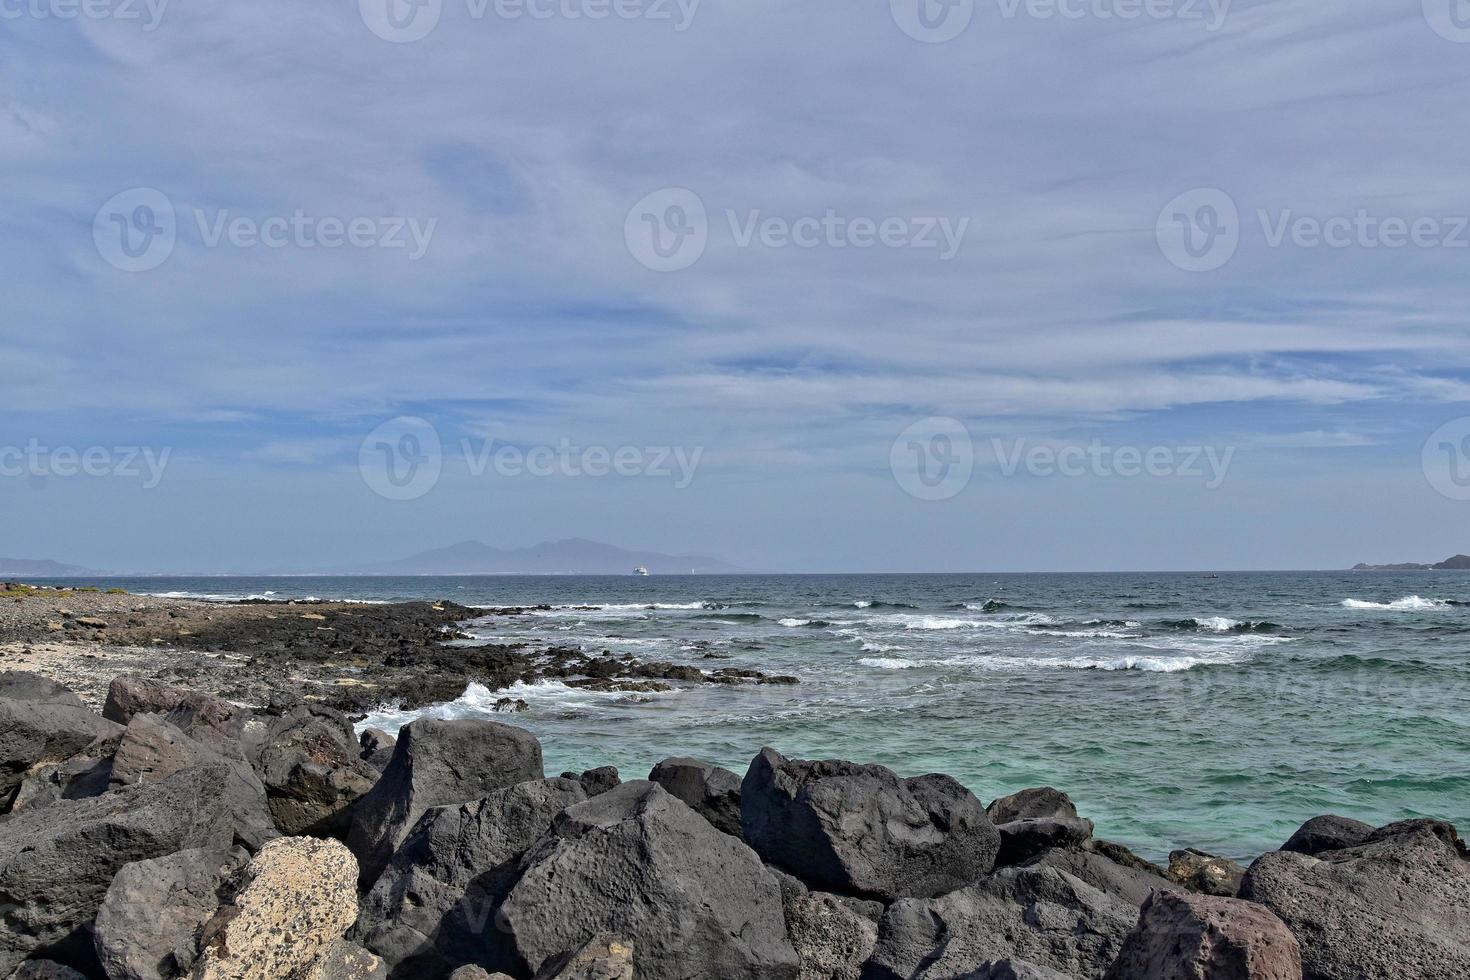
(486, 870)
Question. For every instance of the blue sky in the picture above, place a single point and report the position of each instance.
(525, 150)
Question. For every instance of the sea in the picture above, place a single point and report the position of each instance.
(1177, 710)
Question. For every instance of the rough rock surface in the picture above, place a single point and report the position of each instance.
(861, 829)
(1041, 915)
(712, 792)
(149, 924)
(35, 733)
(1014, 970)
(56, 863)
(603, 957)
(46, 970)
(1205, 873)
(312, 767)
(638, 863)
(1025, 838)
(1392, 907)
(600, 780)
(20, 685)
(1032, 804)
(376, 748)
(1328, 833)
(437, 763)
(1201, 937)
(297, 899)
(345, 960)
(152, 749)
(831, 940)
(431, 908)
(1120, 881)
(84, 774)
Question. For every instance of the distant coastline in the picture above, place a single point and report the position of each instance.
(1456, 563)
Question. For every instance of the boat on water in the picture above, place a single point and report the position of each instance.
(640, 570)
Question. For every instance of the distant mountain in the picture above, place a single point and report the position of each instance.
(575, 556)
(42, 568)
(1457, 563)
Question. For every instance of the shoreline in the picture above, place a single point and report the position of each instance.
(176, 820)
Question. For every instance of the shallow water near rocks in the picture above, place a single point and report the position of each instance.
(1176, 709)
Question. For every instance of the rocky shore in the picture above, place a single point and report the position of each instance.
(353, 657)
(151, 829)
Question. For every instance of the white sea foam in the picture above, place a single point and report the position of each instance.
(1014, 621)
(1217, 624)
(888, 663)
(795, 622)
(478, 701)
(863, 603)
(1406, 604)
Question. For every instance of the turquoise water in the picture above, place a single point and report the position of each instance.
(1176, 709)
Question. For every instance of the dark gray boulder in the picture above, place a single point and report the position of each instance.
(1205, 873)
(151, 749)
(1032, 804)
(1118, 880)
(1200, 937)
(636, 862)
(149, 925)
(205, 718)
(130, 695)
(861, 829)
(1014, 970)
(600, 780)
(1328, 833)
(21, 685)
(1120, 854)
(36, 733)
(1040, 915)
(1023, 839)
(311, 764)
(437, 763)
(376, 747)
(603, 957)
(1392, 907)
(46, 970)
(56, 863)
(431, 908)
(712, 792)
(84, 774)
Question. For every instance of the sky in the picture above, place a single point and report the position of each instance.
(920, 285)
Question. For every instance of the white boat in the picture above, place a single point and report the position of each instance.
(640, 570)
